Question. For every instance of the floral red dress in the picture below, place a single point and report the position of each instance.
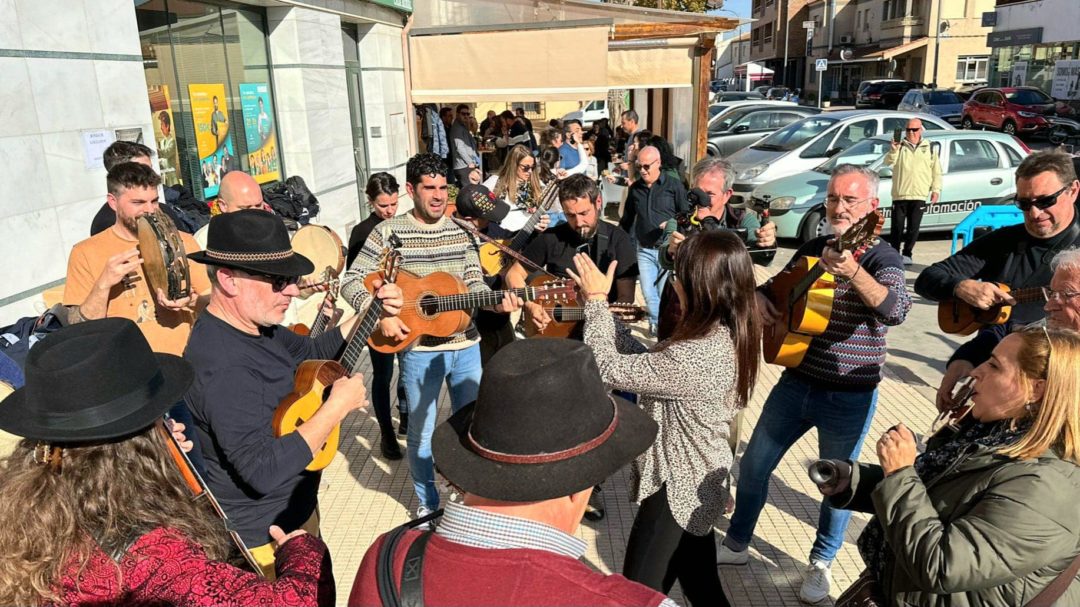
(165, 568)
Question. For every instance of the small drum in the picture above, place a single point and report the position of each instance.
(164, 260)
(322, 246)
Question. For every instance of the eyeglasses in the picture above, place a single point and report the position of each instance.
(277, 283)
(1059, 296)
(913, 130)
(1040, 202)
(834, 201)
(528, 168)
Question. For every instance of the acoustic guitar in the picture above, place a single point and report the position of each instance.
(439, 305)
(803, 296)
(323, 322)
(492, 259)
(314, 378)
(958, 317)
(201, 492)
(567, 316)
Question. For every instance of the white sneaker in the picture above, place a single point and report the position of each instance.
(421, 512)
(727, 556)
(815, 588)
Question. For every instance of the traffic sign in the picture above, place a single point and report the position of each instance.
(810, 24)
(821, 65)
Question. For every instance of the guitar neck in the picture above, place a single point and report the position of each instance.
(351, 357)
(522, 237)
(807, 281)
(471, 301)
(1028, 295)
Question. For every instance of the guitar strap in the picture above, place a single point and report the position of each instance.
(468, 227)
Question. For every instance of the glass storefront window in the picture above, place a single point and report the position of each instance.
(208, 78)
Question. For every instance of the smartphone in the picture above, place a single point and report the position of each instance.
(896, 135)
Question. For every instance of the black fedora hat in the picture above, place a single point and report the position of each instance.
(543, 426)
(94, 381)
(253, 240)
(477, 202)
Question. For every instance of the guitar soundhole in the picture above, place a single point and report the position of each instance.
(428, 305)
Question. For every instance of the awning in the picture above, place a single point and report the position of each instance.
(872, 54)
(756, 69)
(653, 64)
(563, 64)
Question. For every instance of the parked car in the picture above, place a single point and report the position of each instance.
(777, 92)
(802, 145)
(939, 102)
(727, 96)
(1012, 110)
(718, 85)
(762, 90)
(590, 113)
(884, 95)
(742, 126)
(719, 108)
(977, 169)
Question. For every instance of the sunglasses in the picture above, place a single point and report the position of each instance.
(528, 168)
(1040, 202)
(913, 130)
(277, 283)
(644, 167)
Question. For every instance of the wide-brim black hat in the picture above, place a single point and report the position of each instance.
(253, 240)
(542, 427)
(477, 202)
(94, 381)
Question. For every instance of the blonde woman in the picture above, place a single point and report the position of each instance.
(518, 183)
(987, 515)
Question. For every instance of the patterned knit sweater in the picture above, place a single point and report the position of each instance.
(425, 248)
(849, 355)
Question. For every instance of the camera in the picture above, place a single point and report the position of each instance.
(832, 476)
(699, 198)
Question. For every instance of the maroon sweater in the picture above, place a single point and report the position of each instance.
(456, 574)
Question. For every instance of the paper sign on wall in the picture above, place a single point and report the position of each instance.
(94, 144)
(1066, 83)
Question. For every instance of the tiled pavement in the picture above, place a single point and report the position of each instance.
(363, 496)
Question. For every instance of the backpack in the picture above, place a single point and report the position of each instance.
(17, 339)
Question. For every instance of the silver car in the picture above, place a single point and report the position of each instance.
(803, 145)
(742, 126)
(942, 103)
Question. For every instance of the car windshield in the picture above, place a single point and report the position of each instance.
(863, 153)
(716, 109)
(943, 98)
(1028, 97)
(795, 134)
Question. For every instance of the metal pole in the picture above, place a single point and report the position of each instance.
(787, 36)
(820, 92)
(937, 40)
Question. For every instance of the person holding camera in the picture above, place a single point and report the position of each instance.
(572, 156)
(987, 514)
(916, 175)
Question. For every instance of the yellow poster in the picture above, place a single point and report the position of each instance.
(213, 136)
(165, 135)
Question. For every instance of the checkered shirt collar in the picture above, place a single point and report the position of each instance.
(483, 529)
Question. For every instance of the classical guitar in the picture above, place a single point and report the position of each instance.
(314, 378)
(568, 315)
(958, 317)
(200, 492)
(439, 305)
(803, 296)
(323, 322)
(492, 259)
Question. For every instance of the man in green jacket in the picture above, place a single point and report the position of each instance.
(916, 174)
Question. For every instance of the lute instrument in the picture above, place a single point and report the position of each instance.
(323, 322)
(567, 315)
(314, 378)
(958, 317)
(492, 259)
(803, 296)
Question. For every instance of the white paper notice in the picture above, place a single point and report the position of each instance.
(94, 144)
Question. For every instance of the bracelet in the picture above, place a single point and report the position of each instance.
(857, 270)
(596, 294)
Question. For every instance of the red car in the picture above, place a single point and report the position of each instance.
(1016, 111)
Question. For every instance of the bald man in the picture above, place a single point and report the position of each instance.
(238, 191)
(651, 201)
(916, 176)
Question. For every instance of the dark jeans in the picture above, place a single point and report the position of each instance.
(493, 335)
(906, 219)
(660, 552)
(463, 176)
(382, 371)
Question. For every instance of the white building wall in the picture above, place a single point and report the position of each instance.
(1060, 19)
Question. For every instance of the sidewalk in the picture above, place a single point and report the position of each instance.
(363, 496)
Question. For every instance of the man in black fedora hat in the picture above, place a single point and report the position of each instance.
(526, 482)
(245, 364)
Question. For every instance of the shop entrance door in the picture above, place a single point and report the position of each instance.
(350, 40)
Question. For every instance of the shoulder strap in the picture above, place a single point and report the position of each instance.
(1053, 592)
(384, 565)
(412, 574)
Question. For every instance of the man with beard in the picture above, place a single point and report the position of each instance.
(105, 275)
(584, 231)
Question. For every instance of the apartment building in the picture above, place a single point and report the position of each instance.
(778, 40)
(1037, 43)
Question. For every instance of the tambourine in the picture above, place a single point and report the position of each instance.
(165, 263)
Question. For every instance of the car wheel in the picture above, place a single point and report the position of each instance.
(1009, 127)
(966, 123)
(813, 226)
(711, 152)
(1058, 134)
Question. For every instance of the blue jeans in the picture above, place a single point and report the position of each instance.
(424, 374)
(382, 371)
(793, 407)
(648, 272)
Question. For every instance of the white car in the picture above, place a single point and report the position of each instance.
(589, 114)
(803, 145)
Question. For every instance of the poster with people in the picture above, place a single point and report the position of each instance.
(1019, 73)
(168, 156)
(258, 113)
(213, 138)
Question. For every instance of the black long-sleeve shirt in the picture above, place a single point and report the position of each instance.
(1007, 255)
(647, 208)
(239, 381)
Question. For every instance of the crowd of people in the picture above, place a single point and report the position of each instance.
(141, 393)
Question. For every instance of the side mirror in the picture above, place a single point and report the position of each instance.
(885, 172)
(833, 152)
(742, 128)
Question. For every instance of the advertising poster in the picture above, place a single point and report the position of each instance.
(1066, 79)
(1019, 73)
(165, 135)
(213, 138)
(259, 131)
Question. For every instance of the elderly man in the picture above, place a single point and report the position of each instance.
(834, 389)
(651, 202)
(916, 174)
(1046, 191)
(238, 191)
(526, 482)
(244, 365)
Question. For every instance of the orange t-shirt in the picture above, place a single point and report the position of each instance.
(166, 330)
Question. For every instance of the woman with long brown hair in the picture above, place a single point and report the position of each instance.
(692, 384)
(518, 181)
(96, 512)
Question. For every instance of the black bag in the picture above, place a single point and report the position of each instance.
(16, 339)
(292, 200)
